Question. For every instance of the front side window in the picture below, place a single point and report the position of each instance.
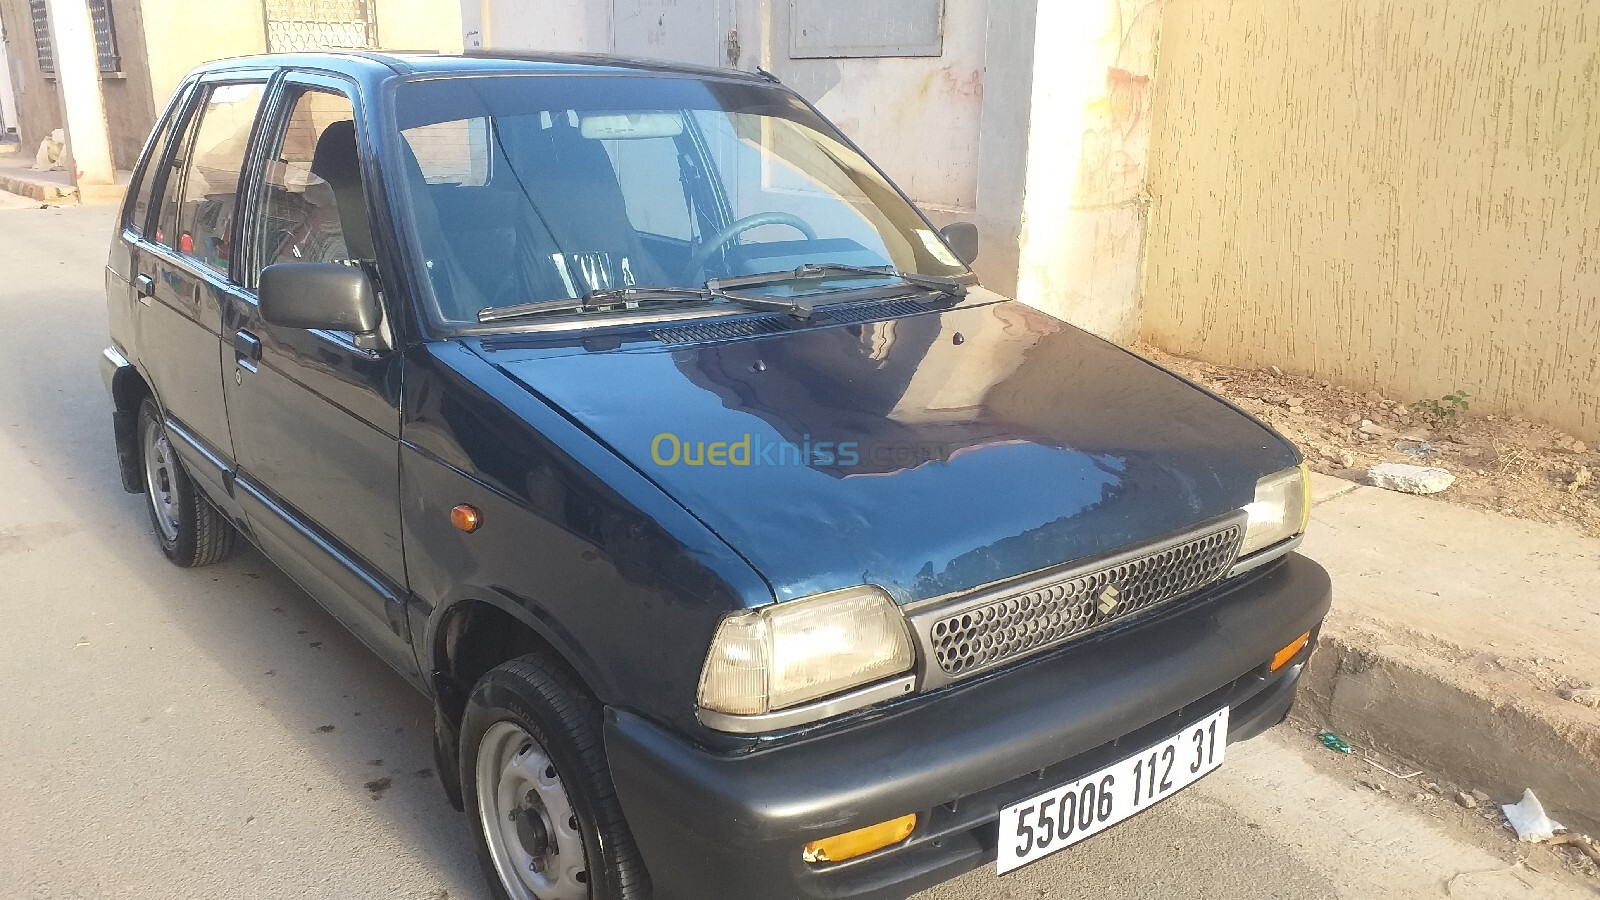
(314, 207)
(527, 189)
(209, 195)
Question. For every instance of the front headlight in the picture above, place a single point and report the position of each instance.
(784, 655)
(1280, 510)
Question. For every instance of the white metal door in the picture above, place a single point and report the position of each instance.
(688, 31)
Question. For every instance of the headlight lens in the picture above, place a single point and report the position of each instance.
(791, 653)
(1280, 510)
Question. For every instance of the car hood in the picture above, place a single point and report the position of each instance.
(927, 454)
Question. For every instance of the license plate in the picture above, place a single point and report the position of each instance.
(1065, 815)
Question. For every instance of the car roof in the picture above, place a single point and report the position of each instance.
(365, 63)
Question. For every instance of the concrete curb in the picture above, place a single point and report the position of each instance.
(1458, 730)
(43, 191)
(1476, 730)
(55, 187)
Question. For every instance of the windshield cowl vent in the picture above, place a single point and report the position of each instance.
(865, 312)
(734, 329)
(720, 331)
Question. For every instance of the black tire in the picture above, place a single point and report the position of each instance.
(546, 702)
(197, 535)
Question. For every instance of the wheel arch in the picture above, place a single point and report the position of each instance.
(477, 632)
(466, 638)
(128, 392)
(129, 388)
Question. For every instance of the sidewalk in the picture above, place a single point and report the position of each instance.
(55, 186)
(1453, 633)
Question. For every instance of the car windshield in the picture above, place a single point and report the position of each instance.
(534, 188)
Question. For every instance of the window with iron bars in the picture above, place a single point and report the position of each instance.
(105, 36)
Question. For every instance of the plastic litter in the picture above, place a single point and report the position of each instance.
(1416, 447)
(1529, 819)
(1388, 771)
(1334, 742)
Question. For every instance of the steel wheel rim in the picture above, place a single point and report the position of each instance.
(527, 818)
(160, 480)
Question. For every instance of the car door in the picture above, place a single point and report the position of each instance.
(315, 415)
(182, 270)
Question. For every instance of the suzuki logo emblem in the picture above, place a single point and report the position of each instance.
(1110, 599)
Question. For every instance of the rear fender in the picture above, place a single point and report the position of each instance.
(128, 389)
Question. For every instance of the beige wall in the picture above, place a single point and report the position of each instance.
(38, 102)
(1402, 195)
(130, 107)
(179, 38)
(129, 111)
(419, 25)
(1083, 216)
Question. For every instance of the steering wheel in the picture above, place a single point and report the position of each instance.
(722, 238)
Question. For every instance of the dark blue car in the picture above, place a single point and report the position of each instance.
(747, 547)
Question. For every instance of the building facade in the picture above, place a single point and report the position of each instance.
(8, 97)
(1029, 118)
(1398, 196)
(144, 47)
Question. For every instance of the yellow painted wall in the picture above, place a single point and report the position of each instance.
(182, 34)
(1402, 195)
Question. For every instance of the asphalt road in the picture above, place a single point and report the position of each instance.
(215, 734)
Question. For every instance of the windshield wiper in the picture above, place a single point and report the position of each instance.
(633, 297)
(817, 271)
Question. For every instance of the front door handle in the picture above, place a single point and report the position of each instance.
(146, 287)
(246, 346)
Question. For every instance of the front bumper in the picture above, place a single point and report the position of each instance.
(713, 826)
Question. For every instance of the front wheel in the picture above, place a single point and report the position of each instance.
(538, 790)
(190, 530)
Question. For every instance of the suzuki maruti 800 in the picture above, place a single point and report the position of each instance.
(747, 547)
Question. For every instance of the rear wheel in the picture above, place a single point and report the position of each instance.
(189, 529)
(538, 790)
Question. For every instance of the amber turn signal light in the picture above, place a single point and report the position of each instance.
(860, 842)
(1282, 657)
(467, 518)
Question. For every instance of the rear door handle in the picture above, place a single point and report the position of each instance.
(246, 346)
(146, 287)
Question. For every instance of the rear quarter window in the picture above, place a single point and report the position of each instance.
(144, 183)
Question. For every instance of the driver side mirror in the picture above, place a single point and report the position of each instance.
(319, 296)
(963, 240)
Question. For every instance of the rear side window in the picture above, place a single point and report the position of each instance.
(314, 207)
(209, 197)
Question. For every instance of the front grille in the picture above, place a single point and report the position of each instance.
(1018, 624)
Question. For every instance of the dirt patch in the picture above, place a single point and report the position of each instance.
(1505, 464)
(1477, 817)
